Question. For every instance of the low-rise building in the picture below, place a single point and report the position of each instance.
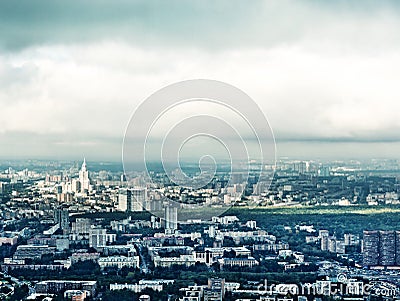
(32, 251)
(82, 256)
(156, 285)
(119, 262)
(8, 239)
(60, 286)
(167, 262)
(238, 262)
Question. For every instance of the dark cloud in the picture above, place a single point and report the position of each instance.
(25, 23)
(200, 23)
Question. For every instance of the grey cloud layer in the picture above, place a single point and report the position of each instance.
(323, 72)
(26, 23)
(203, 23)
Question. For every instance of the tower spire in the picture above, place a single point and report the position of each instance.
(84, 164)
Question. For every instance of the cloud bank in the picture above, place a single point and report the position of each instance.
(325, 75)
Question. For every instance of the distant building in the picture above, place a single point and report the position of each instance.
(84, 178)
(132, 199)
(138, 199)
(80, 229)
(397, 233)
(251, 224)
(324, 171)
(351, 239)
(124, 198)
(387, 248)
(171, 218)
(75, 295)
(156, 285)
(76, 186)
(98, 238)
(336, 246)
(340, 247)
(32, 251)
(323, 233)
(167, 262)
(119, 262)
(83, 256)
(215, 289)
(61, 217)
(60, 286)
(62, 243)
(225, 220)
(66, 197)
(325, 243)
(370, 248)
(238, 262)
(192, 293)
(381, 248)
(9, 239)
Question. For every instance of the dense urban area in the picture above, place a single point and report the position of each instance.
(84, 231)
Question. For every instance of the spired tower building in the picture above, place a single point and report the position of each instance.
(84, 177)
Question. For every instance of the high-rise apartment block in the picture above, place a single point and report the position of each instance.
(61, 217)
(171, 218)
(132, 199)
(381, 248)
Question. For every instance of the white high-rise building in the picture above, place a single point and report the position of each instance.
(139, 197)
(132, 199)
(97, 238)
(76, 186)
(171, 218)
(124, 198)
(80, 228)
(84, 177)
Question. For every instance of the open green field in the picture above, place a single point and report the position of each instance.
(353, 219)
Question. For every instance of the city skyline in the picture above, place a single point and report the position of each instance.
(199, 150)
(324, 74)
(79, 231)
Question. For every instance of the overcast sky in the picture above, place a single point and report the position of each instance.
(325, 73)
